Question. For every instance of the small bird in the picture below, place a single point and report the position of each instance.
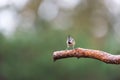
(70, 42)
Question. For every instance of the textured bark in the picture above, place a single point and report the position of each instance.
(87, 53)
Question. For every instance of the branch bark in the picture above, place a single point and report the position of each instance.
(87, 53)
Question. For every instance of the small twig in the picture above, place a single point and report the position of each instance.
(87, 53)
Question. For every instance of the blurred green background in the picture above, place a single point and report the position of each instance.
(31, 30)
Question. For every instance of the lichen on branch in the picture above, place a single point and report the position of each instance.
(87, 53)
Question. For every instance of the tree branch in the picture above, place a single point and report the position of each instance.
(87, 53)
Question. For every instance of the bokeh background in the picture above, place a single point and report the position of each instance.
(31, 30)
